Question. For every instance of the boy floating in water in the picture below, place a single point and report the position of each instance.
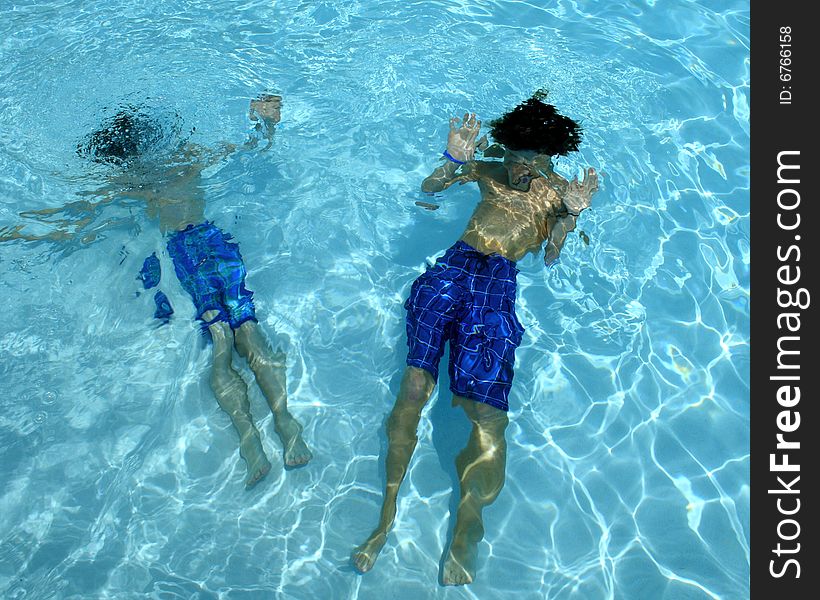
(208, 266)
(468, 299)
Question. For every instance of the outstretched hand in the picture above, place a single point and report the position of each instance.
(461, 141)
(266, 108)
(579, 195)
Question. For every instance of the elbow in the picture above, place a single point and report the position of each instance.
(431, 186)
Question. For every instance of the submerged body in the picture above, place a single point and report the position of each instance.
(209, 267)
(468, 299)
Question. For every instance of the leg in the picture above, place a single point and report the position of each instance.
(269, 369)
(416, 387)
(481, 472)
(232, 395)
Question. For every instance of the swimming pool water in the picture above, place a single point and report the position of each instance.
(628, 459)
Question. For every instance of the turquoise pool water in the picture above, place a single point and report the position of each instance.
(628, 460)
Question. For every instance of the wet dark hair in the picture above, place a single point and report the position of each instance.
(131, 133)
(537, 126)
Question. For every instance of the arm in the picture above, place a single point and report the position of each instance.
(15, 232)
(72, 218)
(264, 111)
(559, 227)
(83, 230)
(68, 222)
(577, 198)
(461, 146)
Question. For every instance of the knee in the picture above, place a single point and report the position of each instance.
(418, 384)
(224, 380)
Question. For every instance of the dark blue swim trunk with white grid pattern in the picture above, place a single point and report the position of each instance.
(468, 299)
(211, 270)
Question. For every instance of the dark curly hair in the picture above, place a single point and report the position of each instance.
(537, 126)
(119, 139)
(134, 132)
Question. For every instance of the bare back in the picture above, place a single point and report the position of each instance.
(508, 221)
(177, 199)
(172, 193)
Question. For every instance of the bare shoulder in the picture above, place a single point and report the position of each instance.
(475, 170)
(484, 169)
(485, 166)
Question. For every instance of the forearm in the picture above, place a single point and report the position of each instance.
(208, 157)
(262, 130)
(438, 179)
(62, 233)
(558, 232)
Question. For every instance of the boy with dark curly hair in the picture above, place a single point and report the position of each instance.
(468, 299)
(209, 266)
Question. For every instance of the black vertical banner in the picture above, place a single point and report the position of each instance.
(785, 368)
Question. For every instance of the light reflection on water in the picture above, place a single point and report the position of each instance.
(628, 467)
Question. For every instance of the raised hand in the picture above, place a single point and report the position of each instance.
(461, 141)
(579, 195)
(266, 107)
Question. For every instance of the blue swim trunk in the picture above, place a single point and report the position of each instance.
(211, 270)
(468, 299)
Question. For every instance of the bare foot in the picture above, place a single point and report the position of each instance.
(256, 474)
(257, 461)
(296, 451)
(459, 567)
(365, 555)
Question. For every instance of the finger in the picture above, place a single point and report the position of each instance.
(591, 179)
(465, 122)
(453, 123)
